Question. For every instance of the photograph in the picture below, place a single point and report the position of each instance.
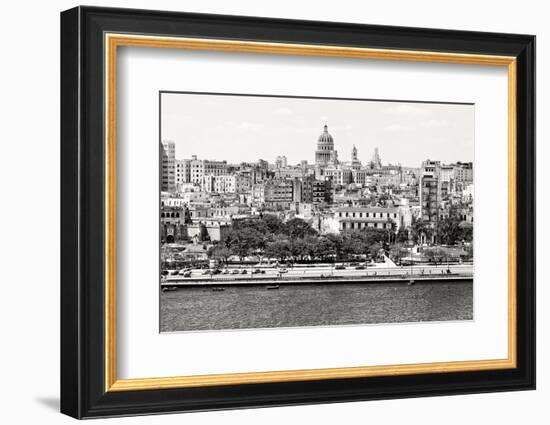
(290, 211)
(279, 211)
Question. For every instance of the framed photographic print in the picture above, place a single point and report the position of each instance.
(261, 212)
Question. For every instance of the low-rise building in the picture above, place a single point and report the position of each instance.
(357, 218)
(173, 223)
(339, 176)
(211, 229)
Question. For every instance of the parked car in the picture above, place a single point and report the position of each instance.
(187, 274)
(205, 272)
(235, 271)
(244, 271)
(256, 271)
(340, 267)
(360, 267)
(216, 271)
(283, 271)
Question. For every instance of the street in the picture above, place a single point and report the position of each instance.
(299, 272)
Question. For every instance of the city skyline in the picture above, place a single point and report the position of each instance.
(252, 236)
(402, 131)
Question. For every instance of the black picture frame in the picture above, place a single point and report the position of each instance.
(83, 392)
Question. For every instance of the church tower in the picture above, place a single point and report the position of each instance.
(376, 162)
(355, 163)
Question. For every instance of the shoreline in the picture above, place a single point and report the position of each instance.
(259, 281)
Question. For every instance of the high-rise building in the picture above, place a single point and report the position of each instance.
(168, 166)
(430, 191)
(272, 193)
(464, 172)
(312, 191)
(281, 162)
(183, 171)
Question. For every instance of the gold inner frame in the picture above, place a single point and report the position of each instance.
(113, 41)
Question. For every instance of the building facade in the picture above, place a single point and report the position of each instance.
(281, 162)
(357, 218)
(430, 193)
(168, 166)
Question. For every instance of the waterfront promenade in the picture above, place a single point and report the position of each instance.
(323, 273)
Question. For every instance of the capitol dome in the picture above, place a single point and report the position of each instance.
(325, 141)
(325, 153)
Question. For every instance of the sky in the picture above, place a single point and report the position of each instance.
(247, 128)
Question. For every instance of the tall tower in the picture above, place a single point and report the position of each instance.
(376, 162)
(168, 164)
(429, 192)
(325, 153)
(355, 163)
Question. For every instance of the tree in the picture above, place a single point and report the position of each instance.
(398, 252)
(402, 236)
(435, 254)
(371, 235)
(273, 224)
(310, 244)
(419, 228)
(375, 249)
(298, 249)
(391, 226)
(325, 248)
(467, 232)
(298, 228)
(279, 249)
(356, 243)
(220, 253)
(244, 241)
(349, 245)
(334, 243)
(449, 230)
(469, 252)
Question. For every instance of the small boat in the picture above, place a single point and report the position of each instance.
(411, 282)
(218, 289)
(168, 288)
(272, 287)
